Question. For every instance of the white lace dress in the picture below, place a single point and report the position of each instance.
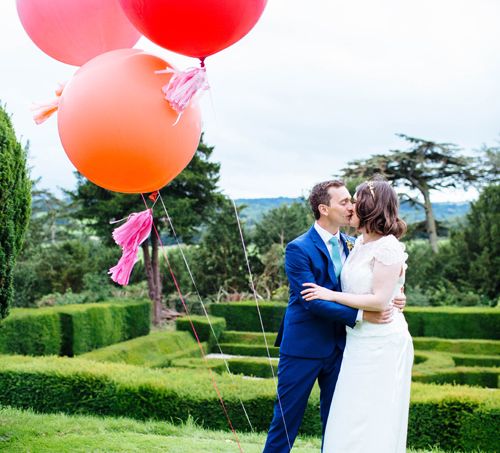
(369, 411)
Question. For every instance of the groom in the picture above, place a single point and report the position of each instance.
(312, 334)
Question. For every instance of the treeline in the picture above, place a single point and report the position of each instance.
(69, 249)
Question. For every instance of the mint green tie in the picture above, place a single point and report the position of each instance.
(337, 260)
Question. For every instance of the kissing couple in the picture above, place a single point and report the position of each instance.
(344, 325)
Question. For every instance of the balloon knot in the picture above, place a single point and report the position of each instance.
(44, 110)
(183, 86)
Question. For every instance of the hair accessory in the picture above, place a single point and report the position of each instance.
(370, 186)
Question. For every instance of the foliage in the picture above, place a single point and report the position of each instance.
(64, 267)
(449, 416)
(220, 262)
(424, 167)
(15, 202)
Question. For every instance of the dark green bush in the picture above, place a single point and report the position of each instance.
(480, 347)
(233, 336)
(92, 326)
(244, 316)
(202, 326)
(30, 332)
(451, 417)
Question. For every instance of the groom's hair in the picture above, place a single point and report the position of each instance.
(319, 195)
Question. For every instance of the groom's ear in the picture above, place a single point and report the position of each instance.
(323, 209)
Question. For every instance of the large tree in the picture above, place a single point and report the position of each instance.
(15, 205)
(424, 167)
(189, 198)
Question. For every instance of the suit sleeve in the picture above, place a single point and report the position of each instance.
(298, 270)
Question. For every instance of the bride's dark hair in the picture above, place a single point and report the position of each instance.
(377, 207)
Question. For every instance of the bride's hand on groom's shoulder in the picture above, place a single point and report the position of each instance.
(314, 291)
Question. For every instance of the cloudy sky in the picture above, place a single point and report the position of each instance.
(314, 85)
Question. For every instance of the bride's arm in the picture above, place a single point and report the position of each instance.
(384, 281)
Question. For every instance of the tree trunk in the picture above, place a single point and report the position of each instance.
(431, 222)
(152, 272)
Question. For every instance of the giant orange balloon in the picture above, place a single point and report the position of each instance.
(118, 130)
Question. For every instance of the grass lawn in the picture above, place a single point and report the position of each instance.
(26, 431)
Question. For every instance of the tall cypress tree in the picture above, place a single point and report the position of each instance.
(15, 206)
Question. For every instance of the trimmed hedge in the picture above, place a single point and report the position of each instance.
(476, 360)
(233, 336)
(244, 316)
(451, 417)
(73, 329)
(31, 332)
(443, 322)
(202, 326)
(482, 377)
(155, 350)
(482, 347)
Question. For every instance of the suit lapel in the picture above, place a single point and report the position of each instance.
(318, 242)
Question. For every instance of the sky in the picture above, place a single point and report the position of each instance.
(311, 87)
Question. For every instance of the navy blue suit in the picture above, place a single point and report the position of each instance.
(311, 339)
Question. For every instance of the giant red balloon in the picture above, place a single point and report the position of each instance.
(196, 28)
(75, 31)
(118, 130)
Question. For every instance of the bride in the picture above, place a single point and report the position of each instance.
(369, 411)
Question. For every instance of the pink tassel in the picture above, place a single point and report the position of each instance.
(183, 86)
(43, 111)
(130, 236)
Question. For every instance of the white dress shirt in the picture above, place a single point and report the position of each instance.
(326, 236)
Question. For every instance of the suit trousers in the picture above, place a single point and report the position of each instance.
(296, 378)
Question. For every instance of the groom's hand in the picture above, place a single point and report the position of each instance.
(378, 317)
(400, 300)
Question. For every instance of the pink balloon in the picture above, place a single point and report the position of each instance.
(75, 31)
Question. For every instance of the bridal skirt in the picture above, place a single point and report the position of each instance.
(369, 411)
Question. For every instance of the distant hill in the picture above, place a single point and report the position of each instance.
(255, 208)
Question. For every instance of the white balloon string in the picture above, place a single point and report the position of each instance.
(203, 306)
(260, 318)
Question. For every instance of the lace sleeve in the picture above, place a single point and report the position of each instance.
(390, 251)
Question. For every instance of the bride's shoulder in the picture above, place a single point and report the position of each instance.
(389, 250)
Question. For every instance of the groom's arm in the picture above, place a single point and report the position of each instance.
(298, 270)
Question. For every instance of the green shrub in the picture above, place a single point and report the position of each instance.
(202, 326)
(157, 349)
(454, 322)
(30, 332)
(92, 326)
(244, 315)
(73, 329)
(451, 417)
(233, 336)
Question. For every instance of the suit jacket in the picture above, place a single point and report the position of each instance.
(313, 329)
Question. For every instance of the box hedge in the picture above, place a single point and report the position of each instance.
(443, 322)
(73, 329)
(202, 326)
(31, 332)
(450, 417)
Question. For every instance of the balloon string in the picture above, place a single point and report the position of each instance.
(203, 306)
(214, 383)
(260, 318)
